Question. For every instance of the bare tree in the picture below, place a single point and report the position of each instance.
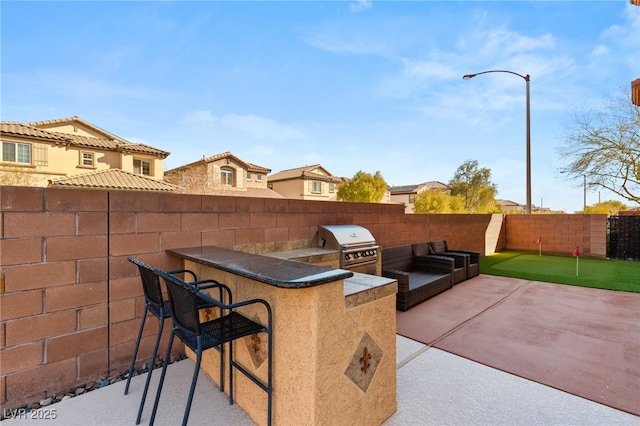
(603, 147)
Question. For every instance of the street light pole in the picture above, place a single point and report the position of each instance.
(584, 190)
(528, 130)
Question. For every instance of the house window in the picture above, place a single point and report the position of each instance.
(15, 152)
(332, 187)
(315, 186)
(248, 176)
(412, 198)
(142, 167)
(259, 178)
(226, 176)
(86, 159)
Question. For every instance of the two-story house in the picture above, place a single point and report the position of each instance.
(306, 183)
(71, 152)
(222, 174)
(406, 194)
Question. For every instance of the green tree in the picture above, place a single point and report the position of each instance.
(363, 187)
(603, 144)
(474, 185)
(611, 207)
(436, 201)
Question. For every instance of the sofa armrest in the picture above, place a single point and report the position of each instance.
(474, 255)
(460, 259)
(434, 263)
(401, 276)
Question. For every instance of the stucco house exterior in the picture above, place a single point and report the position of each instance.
(222, 174)
(306, 183)
(406, 194)
(57, 152)
(508, 206)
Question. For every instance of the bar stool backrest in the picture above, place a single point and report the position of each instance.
(184, 304)
(150, 283)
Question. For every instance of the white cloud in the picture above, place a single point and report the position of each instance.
(360, 5)
(600, 50)
(199, 119)
(247, 125)
(503, 42)
(428, 69)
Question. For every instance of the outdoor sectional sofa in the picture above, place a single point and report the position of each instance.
(460, 260)
(419, 278)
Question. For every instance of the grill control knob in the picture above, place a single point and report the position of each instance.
(347, 256)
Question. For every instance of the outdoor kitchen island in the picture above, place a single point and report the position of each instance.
(334, 342)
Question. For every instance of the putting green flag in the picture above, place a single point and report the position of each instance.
(576, 254)
(539, 243)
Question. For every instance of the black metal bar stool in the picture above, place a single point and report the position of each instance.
(159, 308)
(200, 336)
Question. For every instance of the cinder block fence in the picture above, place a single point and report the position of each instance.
(71, 303)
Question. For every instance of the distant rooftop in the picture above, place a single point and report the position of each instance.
(113, 179)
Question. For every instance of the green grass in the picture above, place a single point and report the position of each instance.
(596, 273)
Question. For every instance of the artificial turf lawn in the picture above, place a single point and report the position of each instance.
(596, 273)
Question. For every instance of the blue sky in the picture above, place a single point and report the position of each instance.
(361, 85)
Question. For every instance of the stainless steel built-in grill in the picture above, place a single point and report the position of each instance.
(359, 251)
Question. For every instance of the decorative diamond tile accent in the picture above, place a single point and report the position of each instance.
(257, 346)
(364, 362)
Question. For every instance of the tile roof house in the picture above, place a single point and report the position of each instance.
(306, 183)
(113, 179)
(509, 206)
(222, 174)
(406, 194)
(60, 152)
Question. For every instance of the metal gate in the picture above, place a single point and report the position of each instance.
(623, 237)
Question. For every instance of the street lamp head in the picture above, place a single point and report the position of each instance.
(468, 76)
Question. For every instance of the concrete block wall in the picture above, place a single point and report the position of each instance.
(70, 302)
(54, 309)
(561, 233)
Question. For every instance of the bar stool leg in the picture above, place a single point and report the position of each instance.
(194, 380)
(152, 364)
(164, 372)
(135, 351)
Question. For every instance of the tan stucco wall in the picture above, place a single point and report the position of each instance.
(291, 189)
(299, 189)
(403, 199)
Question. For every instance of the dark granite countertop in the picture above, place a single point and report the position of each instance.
(269, 270)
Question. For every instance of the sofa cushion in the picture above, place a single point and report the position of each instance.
(439, 246)
(421, 249)
(419, 279)
(400, 258)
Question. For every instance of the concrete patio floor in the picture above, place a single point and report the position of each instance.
(434, 388)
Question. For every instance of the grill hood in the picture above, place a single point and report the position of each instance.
(340, 237)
